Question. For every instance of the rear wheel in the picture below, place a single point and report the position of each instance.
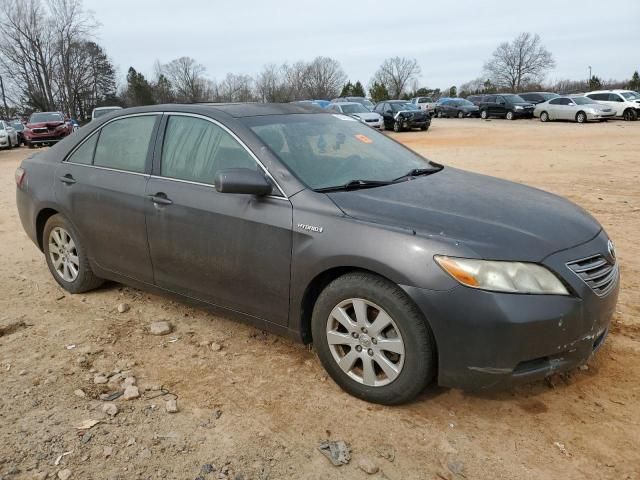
(460, 115)
(509, 115)
(397, 126)
(440, 115)
(484, 114)
(9, 144)
(581, 117)
(544, 117)
(372, 340)
(66, 256)
(630, 115)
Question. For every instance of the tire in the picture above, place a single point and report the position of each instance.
(484, 114)
(30, 145)
(57, 231)
(509, 115)
(630, 115)
(544, 117)
(424, 128)
(397, 126)
(440, 115)
(411, 371)
(581, 117)
(460, 115)
(10, 145)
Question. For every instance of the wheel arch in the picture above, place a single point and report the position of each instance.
(41, 220)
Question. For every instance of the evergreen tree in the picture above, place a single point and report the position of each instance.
(139, 91)
(453, 91)
(634, 84)
(595, 83)
(378, 92)
(358, 90)
(347, 90)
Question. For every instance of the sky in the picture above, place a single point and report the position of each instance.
(450, 40)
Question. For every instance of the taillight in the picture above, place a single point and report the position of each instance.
(21, 175)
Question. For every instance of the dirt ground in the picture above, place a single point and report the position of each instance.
(260, 406)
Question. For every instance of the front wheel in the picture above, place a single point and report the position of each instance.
(460, 115)
(424, 128)
(581, 117)
(66, 256)
(397, 126)
(484, 114)
(630, 115)
(544, 117)
(372, 340)
(509, 115)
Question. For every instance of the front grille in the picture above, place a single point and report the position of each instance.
(40, 130)
(598, 272)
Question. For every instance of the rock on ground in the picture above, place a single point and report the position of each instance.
(160, 328)
(368, 466)
(171, 406)
(130, 393)
(64, 474)
(110, 409)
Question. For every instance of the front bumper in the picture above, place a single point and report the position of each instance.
(489, 340)
(40, 138)
(415, 123)
(523, 113)
(4, 141)
(601, 115)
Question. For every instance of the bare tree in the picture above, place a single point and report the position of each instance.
(295, 80)
(323, 78)
(395, 74)
(236, 88)
(514, 65)
(271, 84)
(187, 79)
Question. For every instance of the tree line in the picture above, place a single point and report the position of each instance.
(50, 60)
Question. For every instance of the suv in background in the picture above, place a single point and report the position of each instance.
(426, 104)
(538, 97)
(476, 99)
(361, 100)
(402, 115)
(505, 105)
(626, 103)
(46, 128)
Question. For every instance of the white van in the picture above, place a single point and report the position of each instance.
(626, 103)
(100, 111)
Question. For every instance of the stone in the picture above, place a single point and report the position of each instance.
(79, 393)
(130, 393)
(160, 328)
(108, 451)
(110, 409)
(171, 406)
(207, 468)
(64, 474)
(123, 308)
(216, 347)
(129, 381)
(368, 466)
(100, 379)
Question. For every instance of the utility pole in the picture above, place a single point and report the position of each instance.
(590, 76)
(4, 99)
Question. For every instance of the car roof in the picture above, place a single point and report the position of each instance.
(236, 110)
(342, 104)
(397, 101)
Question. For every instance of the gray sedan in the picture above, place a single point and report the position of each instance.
(577, 109)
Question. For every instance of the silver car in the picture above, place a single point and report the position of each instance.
(8, 136)
(359, 112)
(577, 109)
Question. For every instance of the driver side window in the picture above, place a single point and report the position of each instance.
(195, 149)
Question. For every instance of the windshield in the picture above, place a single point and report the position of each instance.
(462, 103)
(425, 100)
(398, 107)
(355, 108)
(99, 113)
(18, 126)
(583, 100)
(549, 96)
(332, 150)
(514, 98)
(45, 117)
(630, 95)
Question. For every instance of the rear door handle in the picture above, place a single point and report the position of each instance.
(68, 179)
(160, 199)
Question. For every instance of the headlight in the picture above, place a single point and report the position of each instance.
(518, 107)
(512, 277)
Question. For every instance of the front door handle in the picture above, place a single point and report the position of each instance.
(160, 199)
(68, 179)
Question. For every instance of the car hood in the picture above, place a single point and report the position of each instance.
(523, 104)
(44, 124)
(366, 116)
(495, 218)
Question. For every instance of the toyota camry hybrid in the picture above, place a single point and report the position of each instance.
(400, 271)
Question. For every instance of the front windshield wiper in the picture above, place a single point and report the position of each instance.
(353, 185)
(419, 172)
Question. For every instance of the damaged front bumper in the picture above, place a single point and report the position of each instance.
(488, 340)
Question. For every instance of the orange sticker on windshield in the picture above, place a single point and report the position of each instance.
(364, 138)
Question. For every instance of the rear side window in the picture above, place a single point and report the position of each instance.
(490, 99)
(614, 97)
(195, 149)
(84, 153)
(124, 143)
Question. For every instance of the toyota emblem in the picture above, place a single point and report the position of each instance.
(612, 250)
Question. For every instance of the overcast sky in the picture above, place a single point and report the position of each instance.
(450, 40)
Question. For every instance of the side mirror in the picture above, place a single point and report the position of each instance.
(242, 180)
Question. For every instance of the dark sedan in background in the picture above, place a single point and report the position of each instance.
(538, 97)
(401, 115)
(315, 226)
(506, 105)
(457, 107)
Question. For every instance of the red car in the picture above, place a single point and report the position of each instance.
(46, 128)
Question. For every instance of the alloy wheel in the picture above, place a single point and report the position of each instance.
(64, 254)
(544, 116)
(484, 115)
(365, 342)
(581, 117)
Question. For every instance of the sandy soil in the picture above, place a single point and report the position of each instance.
(260, 406)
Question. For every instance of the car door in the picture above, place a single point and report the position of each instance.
(231, 250)
(500, 107)
(100, 187)
(554, 109)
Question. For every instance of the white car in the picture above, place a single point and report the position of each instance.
(577, 109)
(356, 110)
(8, 136)
(426, 104)
(626, 103)
(100, 111)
